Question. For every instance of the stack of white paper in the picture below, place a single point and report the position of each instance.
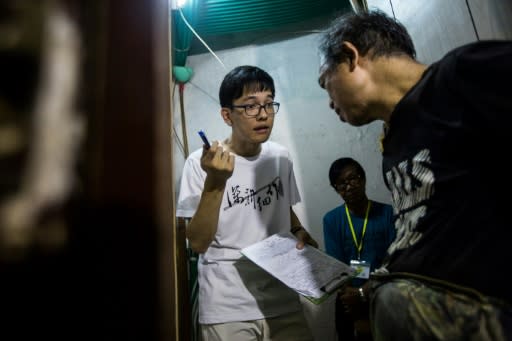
(310, 272)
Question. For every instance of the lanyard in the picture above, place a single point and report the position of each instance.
(359, 245)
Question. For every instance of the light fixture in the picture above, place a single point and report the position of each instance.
(181, 3)
(177, 4)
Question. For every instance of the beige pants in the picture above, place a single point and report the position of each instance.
(289, 327)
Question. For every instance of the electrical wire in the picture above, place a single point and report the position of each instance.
(204, 92)
(392, 9)
(180, 144)
(472, 20)
(200, 39)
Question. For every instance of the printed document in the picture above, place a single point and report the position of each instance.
(310, 271)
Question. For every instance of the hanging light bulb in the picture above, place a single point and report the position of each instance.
(181, 3)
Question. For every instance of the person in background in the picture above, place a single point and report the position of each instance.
(239, 192)
(358, 233)
(446, 132)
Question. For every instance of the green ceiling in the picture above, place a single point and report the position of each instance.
(231, 23)
(226, 16)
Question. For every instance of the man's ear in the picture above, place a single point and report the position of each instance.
(352, 54)
(226, 115)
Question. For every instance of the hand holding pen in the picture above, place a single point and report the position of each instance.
(205, 140)
(217, 162)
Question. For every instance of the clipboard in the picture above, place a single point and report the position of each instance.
(310, 272)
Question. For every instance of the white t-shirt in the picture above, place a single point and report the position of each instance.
(256, 205)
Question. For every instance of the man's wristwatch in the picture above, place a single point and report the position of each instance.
(362, 295)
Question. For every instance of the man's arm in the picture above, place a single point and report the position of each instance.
(300, 232)
(355, 301)
(218, 165)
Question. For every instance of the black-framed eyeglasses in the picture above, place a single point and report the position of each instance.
(352, 181)
(253, 110)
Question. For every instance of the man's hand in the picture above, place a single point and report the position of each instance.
(304, 238)
(352, 302)
(218, 164)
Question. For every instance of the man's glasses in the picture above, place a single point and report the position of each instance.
(253, 110)
(352, 181)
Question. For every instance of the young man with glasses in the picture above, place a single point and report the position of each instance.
(239, 192)
(358, 233)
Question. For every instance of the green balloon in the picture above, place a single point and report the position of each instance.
(182, 74)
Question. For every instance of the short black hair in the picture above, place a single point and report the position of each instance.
(339, 165)
(373, 33)
(242, 79)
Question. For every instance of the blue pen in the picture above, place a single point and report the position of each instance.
(205, 140)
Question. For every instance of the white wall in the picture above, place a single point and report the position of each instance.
(437, 26)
